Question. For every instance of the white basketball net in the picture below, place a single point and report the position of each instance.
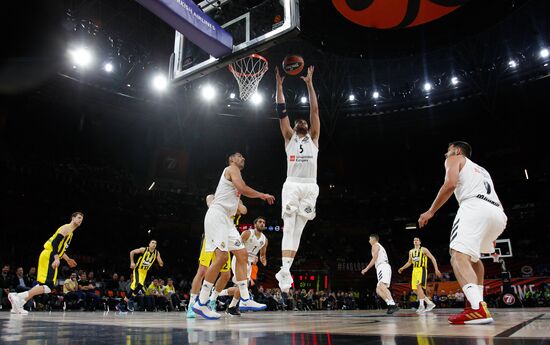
(249, 71)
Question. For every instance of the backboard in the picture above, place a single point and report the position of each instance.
(255, 25)
(503, 247)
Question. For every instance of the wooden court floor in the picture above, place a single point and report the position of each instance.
(512, 326)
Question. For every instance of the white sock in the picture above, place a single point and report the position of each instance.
(243, 289)
(214, 295)
(192, 298)
(287, 263)
(25, 294)
(205, 292)
(481, 290)
(471, 292)
(390, 302)
(224, 293)
(421, 303)
(46, 289)
(233, 303)
(427, 300)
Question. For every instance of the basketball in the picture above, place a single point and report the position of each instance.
(293, 64)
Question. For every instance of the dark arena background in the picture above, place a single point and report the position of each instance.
(93, 119)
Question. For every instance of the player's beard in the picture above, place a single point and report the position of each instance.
(301, 130)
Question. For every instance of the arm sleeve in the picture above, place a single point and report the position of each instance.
(56, 241)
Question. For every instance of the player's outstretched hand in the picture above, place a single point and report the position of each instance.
(424, 218)
(400, 270)
(438, 273)
(309, 77)
(132, 266)
(280, 78)
(270, 199)
(364, 271)
(71, 263)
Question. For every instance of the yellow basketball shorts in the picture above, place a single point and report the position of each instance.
(139, 277)
(46, 275)
(419, 277)
(206, 258)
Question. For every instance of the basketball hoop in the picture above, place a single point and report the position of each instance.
(248, 71)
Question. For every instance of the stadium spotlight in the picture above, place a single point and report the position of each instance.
(81, 57)
(303, 100)
(351, 97)
(208, 92)
(375, 94)
(544, 53)
(160, 83)
(454, 80)
(256, 98)
(512, 64)
(108, 67)
(427, 86)
(232, 95)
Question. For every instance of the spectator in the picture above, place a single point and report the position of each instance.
(5, 281)
(71, 291)
(88, 289)
(32, 275)
(123, 284)
(169, 292)
(112, 283)
(459, 297)
(20, 283)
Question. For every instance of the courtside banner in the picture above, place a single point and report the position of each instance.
(187, 18)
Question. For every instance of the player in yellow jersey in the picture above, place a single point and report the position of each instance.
(144, 262)
(54, 250)
(205, 259)
(418, 258)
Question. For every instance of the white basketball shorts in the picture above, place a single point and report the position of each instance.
(383, 272)
(299, 198)
(476, 226)
(220, 232)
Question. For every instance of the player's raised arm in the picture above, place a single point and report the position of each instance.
(313, 106)
(236, 177)
(284, 122)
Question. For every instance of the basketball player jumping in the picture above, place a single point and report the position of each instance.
(383, 271)
(300, 189)
(144, 263)
(254, 241)
(479, 221)
(54, 249)
(221, 236)
(418, 257)
(205, 259)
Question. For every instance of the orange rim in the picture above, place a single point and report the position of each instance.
(240, 74)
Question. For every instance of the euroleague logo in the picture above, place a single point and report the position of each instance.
(396, 14)
(509, 299)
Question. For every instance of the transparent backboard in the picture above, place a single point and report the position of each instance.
(503, 247)
(255, 26)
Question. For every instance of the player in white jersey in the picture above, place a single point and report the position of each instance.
(383, 271)
(221, 235)
(478, 223)
(300, 189)
(255, 242)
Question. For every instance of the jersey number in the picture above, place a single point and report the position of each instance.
(301, 149)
